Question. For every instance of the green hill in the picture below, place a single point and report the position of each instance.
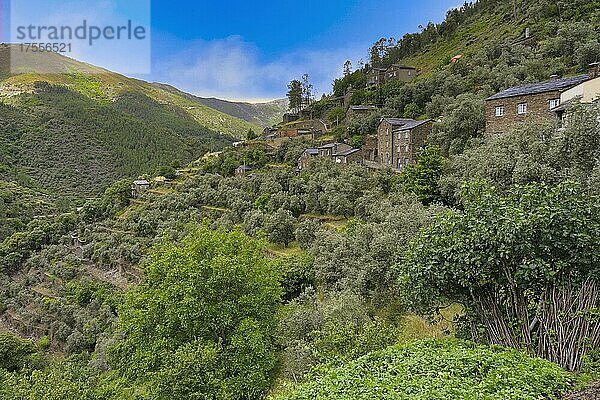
(263, 114)
(340, 270)
(498, 48)
(76, 131)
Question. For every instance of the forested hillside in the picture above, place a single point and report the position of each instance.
(563, 41)
(68, 135)
(471, 274)
(263, 114)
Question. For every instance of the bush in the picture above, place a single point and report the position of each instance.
(438, 369)
(202, 324)
(15, 353)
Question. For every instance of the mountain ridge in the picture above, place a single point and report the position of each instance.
(262, 113)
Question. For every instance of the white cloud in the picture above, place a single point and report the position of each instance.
(232, 68)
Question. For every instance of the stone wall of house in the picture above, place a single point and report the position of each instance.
(384, 143)
(370, 148)
(538, 109)
(354, 158)
(406, 146)
(403, 74)
(395, 149)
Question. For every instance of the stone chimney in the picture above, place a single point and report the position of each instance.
(593, 71)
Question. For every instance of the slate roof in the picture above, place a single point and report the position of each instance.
(402, 66)
(328, 146)
(363, 107)
(141, 182)
(542, 87)
(347, 152)
(404, 124)
(312, 152)
(244, 168)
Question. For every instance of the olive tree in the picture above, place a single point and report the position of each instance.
(280, 227)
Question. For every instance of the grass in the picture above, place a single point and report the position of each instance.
(281, 251)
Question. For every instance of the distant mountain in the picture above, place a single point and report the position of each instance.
(263, 114)
(77, 131)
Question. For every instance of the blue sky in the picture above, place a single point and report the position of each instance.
(250, 50)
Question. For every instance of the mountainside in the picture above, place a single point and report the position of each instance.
(78, 131)
(263, 114)
(319, 284)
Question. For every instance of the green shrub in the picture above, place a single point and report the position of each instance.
(438, 369)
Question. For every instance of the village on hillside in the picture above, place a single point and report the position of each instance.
(397, 141)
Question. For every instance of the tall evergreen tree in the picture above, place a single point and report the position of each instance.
(294, 95)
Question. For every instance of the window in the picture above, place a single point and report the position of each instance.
(554, 103)
(399, 136)
(407, 149)
(522, 108)
(499, 111)
(406, 135)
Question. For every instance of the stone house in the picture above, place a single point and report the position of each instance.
(330, 150)
(138, 187)
(243, 170)
(533, 102)
(376, 76)
(340, 153)
(305, 158)
(369, 149)
(401, 72)
(290, 117)
(399, 140)
(348, 156)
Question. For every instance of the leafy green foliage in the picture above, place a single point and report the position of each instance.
(15, 353)
(422, 178)
(356, 79)
(330, 330)
(201, 324)
(280, 227)
(438, 370)
(507, 258)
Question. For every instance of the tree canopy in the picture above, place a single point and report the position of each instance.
(202, 322)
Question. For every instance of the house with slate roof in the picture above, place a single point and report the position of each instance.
(528, 102)
(401, 72)
(138, 187)
(399, 140)
(348, 156)
(305, 158)
(340, 153)
(376, 76)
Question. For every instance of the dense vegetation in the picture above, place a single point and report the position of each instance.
(437, 370)
(319, 284)
(71, 144)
